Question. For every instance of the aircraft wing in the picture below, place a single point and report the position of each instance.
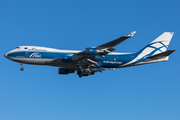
(116, 41)
(107, 47)
(89, 55)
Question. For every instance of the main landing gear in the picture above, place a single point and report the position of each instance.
(21, 67)
(84, 72)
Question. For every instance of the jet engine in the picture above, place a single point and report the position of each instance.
(65, 58)
(65, 71)
(91, 51)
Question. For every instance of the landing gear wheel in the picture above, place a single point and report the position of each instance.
(21, 68)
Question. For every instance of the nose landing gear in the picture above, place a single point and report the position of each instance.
(21, 67)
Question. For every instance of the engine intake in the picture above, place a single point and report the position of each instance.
(65, 71)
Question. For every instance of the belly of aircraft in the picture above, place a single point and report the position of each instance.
(42, 61)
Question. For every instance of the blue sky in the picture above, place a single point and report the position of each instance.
(148, 92)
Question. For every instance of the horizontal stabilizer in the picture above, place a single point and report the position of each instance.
(161, 55)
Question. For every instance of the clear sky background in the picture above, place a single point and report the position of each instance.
(147, 92)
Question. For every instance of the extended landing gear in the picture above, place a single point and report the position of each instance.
(84, 72)
(21, 67)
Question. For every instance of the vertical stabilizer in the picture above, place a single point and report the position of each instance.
(159, 45)
(156, 49)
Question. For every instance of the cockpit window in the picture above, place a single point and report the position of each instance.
(17, 47)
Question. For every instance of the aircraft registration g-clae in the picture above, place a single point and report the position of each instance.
(94, 59)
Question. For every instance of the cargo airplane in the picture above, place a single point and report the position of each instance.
(93, 59)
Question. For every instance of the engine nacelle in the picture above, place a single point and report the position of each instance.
(65, 71)
(65, 58)
(91, 51)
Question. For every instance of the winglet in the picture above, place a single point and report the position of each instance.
(131, 34)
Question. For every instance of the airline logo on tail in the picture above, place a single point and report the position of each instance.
(159, 45)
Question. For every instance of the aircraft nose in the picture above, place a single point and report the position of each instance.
(6, 55)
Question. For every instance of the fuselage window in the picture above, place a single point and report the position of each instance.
(25, 48)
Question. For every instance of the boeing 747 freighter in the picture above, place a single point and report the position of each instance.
(95, 59)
